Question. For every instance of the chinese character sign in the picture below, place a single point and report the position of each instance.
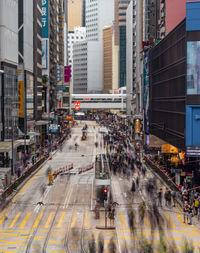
(67, 74)
(45, 18)
(20, 75)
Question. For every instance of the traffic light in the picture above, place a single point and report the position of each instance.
(105, 194)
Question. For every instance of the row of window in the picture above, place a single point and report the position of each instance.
(77, 37)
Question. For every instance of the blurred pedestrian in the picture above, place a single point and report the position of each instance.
(160, 196)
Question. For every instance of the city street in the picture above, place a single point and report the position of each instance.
(59, 217)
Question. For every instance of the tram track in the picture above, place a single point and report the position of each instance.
(69, 230)
(33, 235)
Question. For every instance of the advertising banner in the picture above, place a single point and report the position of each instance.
(45, 44)
(146, 91)
(20, 75)
(193, 67)
(67, 74)
(45, 19)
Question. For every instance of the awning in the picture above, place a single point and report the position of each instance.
(6, 146)
(41, 122)
(33, 133)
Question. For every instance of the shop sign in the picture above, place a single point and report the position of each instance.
(20, 75)
(77, 105)
(193, 151)
(177, 171)
(167, 149)
(53, 128)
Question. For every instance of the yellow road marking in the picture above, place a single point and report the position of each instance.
(181, 220)
(3, 213)
(3, 218)
(146, 221)
(86, 222)
(172, 225)
(49, 220)
(38, 220)
(60, 222)
(14, 220)
(73, 220)
(25, 220)
(122, 220)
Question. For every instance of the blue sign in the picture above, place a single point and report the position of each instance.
(45, 19)
(193, 126)
(192, 16)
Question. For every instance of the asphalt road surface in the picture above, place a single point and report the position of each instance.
(59, 217)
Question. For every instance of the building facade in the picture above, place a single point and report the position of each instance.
(9, 63)
(167, 87)
(120, 37)
(99, 13)
(76, 14)
(79, 34)
(80, 70)
(131, 57)
(107, 59)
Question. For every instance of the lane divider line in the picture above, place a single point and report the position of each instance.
(14, 220)
(25, 220)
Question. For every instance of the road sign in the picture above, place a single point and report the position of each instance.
(77, 105)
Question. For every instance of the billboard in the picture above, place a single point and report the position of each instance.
(193, 67)
(45, 19)
(20, 75)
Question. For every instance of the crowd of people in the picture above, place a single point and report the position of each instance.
(125, 160)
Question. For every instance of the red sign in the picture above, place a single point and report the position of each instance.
(77, 105)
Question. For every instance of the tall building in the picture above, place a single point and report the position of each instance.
(79, 34)
(110, 60)
(8, 65)
(80, 67)
(151, 17)
(76, 14)
(120, 37)
(107, 59)
(131, 58)
(99, 13)
(50, 49)
(169, 16)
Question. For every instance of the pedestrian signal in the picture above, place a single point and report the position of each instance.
(105, 193)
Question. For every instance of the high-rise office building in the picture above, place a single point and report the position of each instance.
(131, 58)
(110, 57)
(76, 14)
(99, 13)
(120, 37)
(8, 65)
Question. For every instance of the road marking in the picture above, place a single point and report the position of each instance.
(172, 225)
(122, 219)
(25, 220)
(60, 222)
(3, 218)
(39, 217)
(86, 221)
(181, 220)
(14, 220)
(73, 220)
(146, 221)
(49, 220)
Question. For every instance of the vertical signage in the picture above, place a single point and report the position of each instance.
(45, 33)
(45, 19)
(67, 74)
(20, 74)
